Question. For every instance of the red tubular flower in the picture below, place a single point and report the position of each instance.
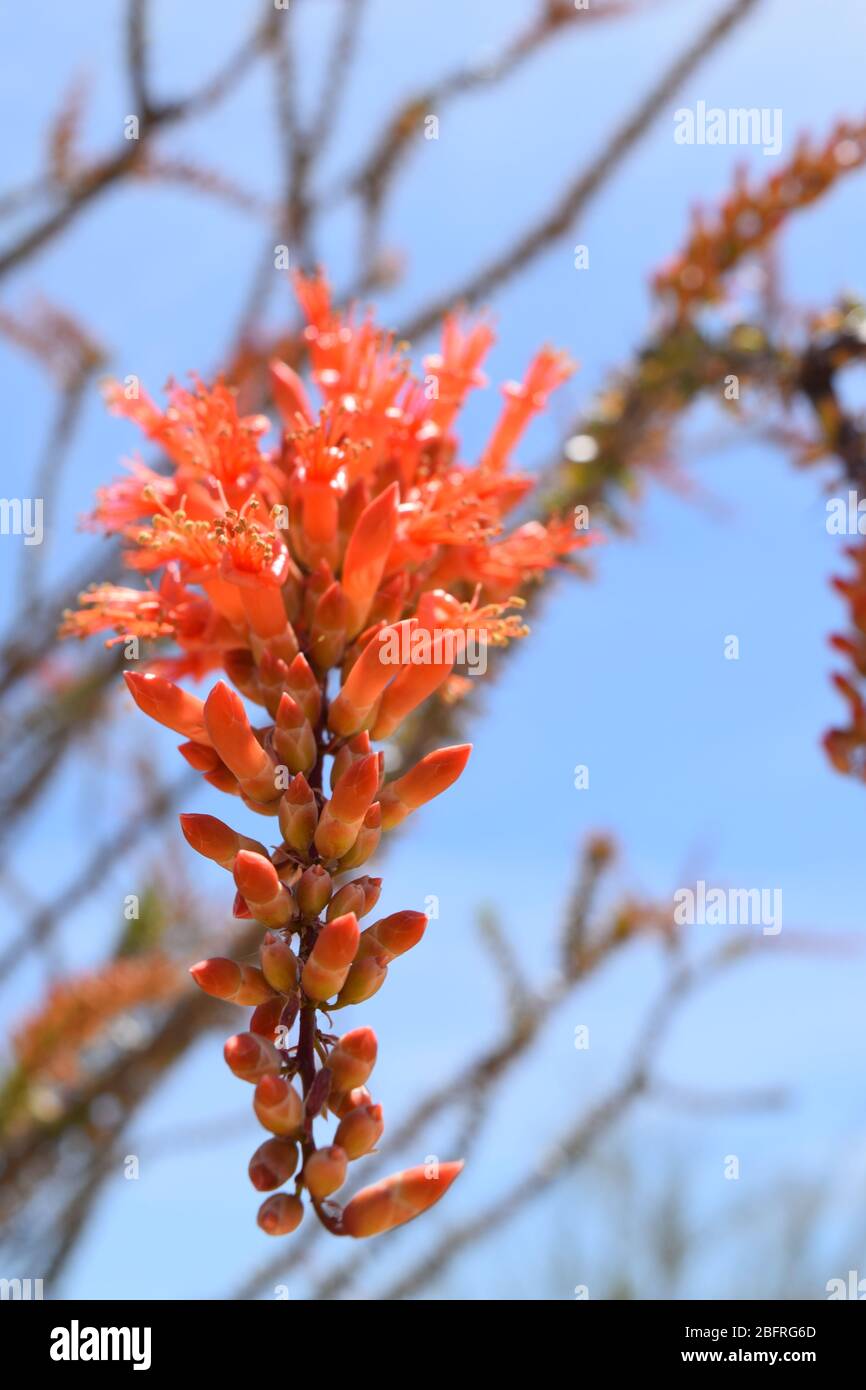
(339, 581)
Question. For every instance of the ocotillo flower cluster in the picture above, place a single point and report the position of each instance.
(338, 580)
(750, 216)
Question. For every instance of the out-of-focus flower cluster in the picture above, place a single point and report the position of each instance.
(338, 579)
(750, 216)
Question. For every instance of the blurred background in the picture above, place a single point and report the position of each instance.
(710, 1141)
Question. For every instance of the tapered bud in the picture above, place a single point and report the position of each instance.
(397, 1199)
(367, 842)
(325, 1171)
(278, 1106)
(272, 1164)
(251, 1057)
(223, 779)
(357, 747)
(279, 963)
(429, 777)
(168, 704)
(257, 881)
(298, 815)
(344, 1102)
(281, 1214)
(267, 1017)
(328, 963)
(375, 667)
(366, 554)
(392, 936)
(232, 736)
(215, 840)
(352, 1059)
(201, 756)
(226, 979)
(350, 898)
(303, 687)
(294, 740)
(342, 817)
(313, 890)
(328, 628)
(365, 978)
(360, 1131)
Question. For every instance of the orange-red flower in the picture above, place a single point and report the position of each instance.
(339, 578)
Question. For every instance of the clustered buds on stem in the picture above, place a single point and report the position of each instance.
(338, 581)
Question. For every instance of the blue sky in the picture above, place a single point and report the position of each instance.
(699, 766)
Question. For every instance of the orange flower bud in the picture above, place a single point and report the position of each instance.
(279, 963)
(168, 704)
(360, 1131)
(429, 777)
(352, 1059)
(356, 700)
(266, 1017)
(278, 1106)
(281, 1214)
(313, 890)
(233, 738)
(325, 1171)
(366, 554)
(269, 901)
(397, 1199)
(392, 936)
(357, 747)
(201, 756)
(294, 740)
(250, 1056)
(226, 979)
(303, 687)
(273, 1163)
(342, 817)
(328, 963)
(328, 628)
(365, 978)
(298, 814)
(344, 1102)
(350, 898)
(367, 842)
(215, 840)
